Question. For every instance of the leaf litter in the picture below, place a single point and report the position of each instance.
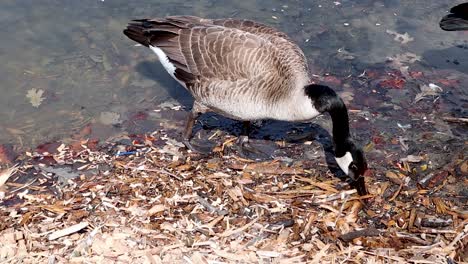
(150, 205)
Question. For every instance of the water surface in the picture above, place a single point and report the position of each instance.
(92, 75)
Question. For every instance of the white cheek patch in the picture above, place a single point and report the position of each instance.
(170, 68)
(344, 162)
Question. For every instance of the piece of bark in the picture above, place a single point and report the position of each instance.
(368, 232)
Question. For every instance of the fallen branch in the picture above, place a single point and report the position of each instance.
(456, 120)
(231, 232)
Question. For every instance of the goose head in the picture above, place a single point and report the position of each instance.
(352, 162)
(348, 156)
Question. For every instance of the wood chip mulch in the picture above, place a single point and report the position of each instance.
(160, 204)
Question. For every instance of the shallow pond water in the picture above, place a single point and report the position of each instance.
(67, 66)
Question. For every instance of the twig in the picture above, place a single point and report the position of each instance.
(321, 185)
(6, 174)
(173, 246)
(329, 198)
(434, 231)
(400, 260)
(267, 168)
(460, 236)
(456, 119)
(321, 254)
(67, 231)
(413, 239)
(155, 170)
(395, 195)
(231, 232)
(24, 186)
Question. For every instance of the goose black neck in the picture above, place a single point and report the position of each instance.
(326, 100)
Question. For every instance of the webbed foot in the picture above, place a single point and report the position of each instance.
(254, 151)
(205, 147)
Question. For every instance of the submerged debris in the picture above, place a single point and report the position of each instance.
(35, 96)
(402, 38)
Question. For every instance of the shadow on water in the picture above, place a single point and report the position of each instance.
(265, 133)
(453, 58)
(154, 70)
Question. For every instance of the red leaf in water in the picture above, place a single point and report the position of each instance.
(416, 74)
(447, 82)
(372, 74)
(396, 83)
(7, 154)
(76, 146)
(49, 147)
(84, 132)
(378, 140)
(332, 80)
(92, 144)
(140, 116)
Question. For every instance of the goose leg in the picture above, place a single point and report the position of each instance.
(187, 135)
(191, 118)
(244, 147)
(244, 137)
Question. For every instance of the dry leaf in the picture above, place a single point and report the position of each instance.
(402, 38)
(109, 118)
(6, 174)
(35, 96)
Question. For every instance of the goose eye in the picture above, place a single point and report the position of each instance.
(353, 167)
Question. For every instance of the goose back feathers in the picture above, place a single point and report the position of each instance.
(239, 68)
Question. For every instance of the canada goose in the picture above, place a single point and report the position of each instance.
(457, 20)
(246, 71)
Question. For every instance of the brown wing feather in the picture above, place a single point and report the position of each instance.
(251, 27)
(271, 34)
